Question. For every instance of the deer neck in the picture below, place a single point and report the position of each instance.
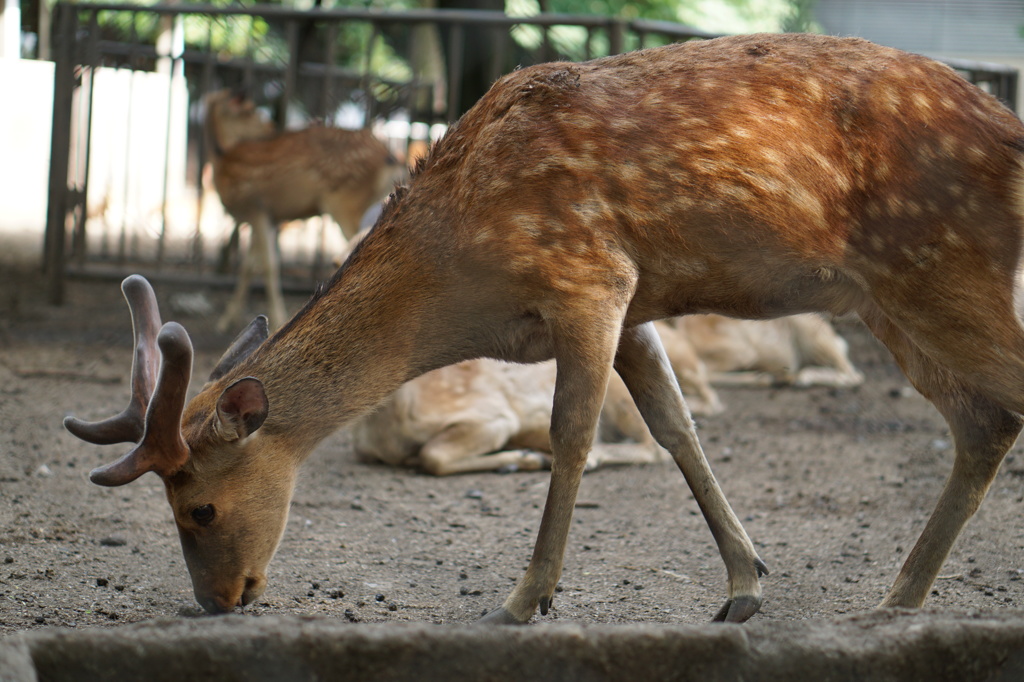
(212, 140)
(369, 331)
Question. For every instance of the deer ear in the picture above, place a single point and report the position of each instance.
(242, 347)
(241, 409)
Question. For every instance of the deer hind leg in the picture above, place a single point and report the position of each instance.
(644, 367)
(262, 254)
(584, 342)
(264, 241)
(983, 431)
(236, 306)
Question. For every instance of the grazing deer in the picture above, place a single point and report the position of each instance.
(488, 415)
(264, 178)
(752, 176)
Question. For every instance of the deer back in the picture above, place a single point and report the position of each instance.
(758, 176)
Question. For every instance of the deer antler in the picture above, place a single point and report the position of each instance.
(158, 394)
(128, 426)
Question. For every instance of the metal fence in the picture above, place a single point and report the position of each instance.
(126, 188)
(419, 69)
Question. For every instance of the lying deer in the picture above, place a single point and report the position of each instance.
(488, 415)
(264, 178)
(753, 176)
(798, 350)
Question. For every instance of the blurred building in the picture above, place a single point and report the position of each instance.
(982, 30)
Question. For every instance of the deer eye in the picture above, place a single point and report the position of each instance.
(204, 515)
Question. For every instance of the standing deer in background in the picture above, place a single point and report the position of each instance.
(752, 176)
(264, 178)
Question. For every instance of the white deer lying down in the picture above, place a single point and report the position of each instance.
(573, 204)
(264, 178)
(488, 415)
(797, 350)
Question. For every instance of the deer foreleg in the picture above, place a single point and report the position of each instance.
(584, 350)
(644, 367)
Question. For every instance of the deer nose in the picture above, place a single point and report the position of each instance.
(217, 603)
(241, 593)
(254, 588)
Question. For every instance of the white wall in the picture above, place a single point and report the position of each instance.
(126, 159)
(25, 115)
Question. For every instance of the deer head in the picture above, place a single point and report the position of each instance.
(233, 118)
(227, 537)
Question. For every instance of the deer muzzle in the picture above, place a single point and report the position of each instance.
(224, 598)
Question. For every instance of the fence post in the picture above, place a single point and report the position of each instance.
(64, 24)
(616, 36)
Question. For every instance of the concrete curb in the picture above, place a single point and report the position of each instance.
(892, 645)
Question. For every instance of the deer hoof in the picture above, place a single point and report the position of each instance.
(500, 616)
(738, 609)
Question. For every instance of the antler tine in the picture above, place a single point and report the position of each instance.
(162, 448)
(128, 426)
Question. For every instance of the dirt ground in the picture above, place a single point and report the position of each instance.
(833, 486)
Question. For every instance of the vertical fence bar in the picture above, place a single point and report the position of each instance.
(65, 27)
(616, 36)
(325, 112)
(456, 38)
(327, 84)
(1008, 87)
(133, 61)
(291, 31)
(368, 74)
(247, 72)
(205, 86)
(496, 65)
(88, 98)
(175, 60)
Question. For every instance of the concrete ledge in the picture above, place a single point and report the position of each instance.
(877, 646)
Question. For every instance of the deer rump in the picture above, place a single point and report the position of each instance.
(753, 176)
